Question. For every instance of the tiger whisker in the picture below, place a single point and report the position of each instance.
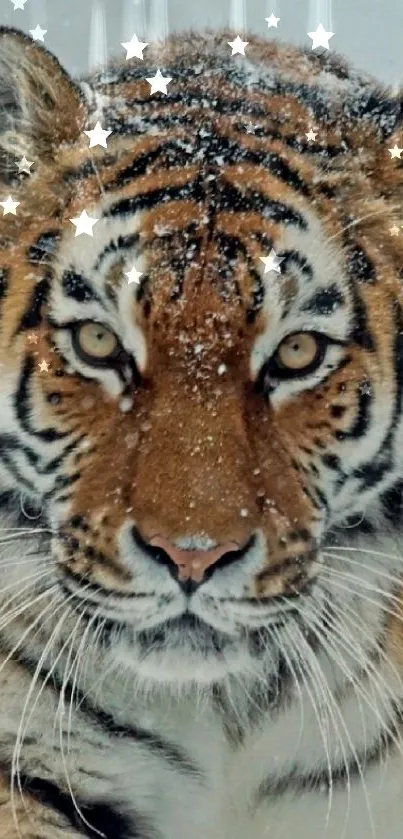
(318, 680)
(331, 699)
(350, 645)
(366, 586)
(393, 578)
(10, 655)
(384, 211)
(368, 551)
(59, 715)
(15, 763)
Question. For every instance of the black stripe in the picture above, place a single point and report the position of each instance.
(20, 479)
(299, 782)
(116, 245)
(324, 301)
(374, 106)
(102, 817)
(392, 502)
(86, 169)
(33, 315)
(52, 465)
(61, 482)
(148, 200)
(22, 406)
(227, 197)
(361, 333)
(4, 279)
(213, 146)
(174, 755)
(121, 126)
(233, 199)
(76, 287)
(359, 266)
(141, 164)
(397, 364)
(362, 420)
(10, 443)
(43, 249)
(291, 256)
(373, 472)
(332, 461)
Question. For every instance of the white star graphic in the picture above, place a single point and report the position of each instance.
(250, 128)
(84, 223)
(38, 33)
(24, 165)
(9, 206)
(98, 136)
(18, 4)
(311, 135)
(238, 45)
(133, 275)
(159, 83)
(395, 152)
(44, 366)
(365, 388)
(272, 21)
(394, 231)
(320, 38)
(134, 48)
(32, 338)
(272, 262)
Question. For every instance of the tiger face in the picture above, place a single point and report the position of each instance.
(196, 437)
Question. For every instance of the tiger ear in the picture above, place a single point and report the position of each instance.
(40, 106)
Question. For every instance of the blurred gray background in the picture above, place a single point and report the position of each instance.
(83, 33)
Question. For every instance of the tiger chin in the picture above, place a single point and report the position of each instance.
(201, 471)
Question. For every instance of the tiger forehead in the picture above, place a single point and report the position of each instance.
(200, 323)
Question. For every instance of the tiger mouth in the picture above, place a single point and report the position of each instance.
(186, 629)
(190, 633)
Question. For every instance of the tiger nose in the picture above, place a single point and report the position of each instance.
(193, 564)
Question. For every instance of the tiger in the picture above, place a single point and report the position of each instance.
(200, 445)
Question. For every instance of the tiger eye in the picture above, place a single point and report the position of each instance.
(297, 351)
(96, 341)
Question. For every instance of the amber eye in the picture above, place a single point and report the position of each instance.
(95, 344)
(297, 351)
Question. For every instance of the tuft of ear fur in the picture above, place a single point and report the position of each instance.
(40, 106)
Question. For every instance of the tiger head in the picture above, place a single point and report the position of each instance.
(203, 390)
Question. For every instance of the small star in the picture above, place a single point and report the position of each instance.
(311, 135)
(395, 152)
(238, 45)
(98, 136)
(18, 4)
(250, 128)
(272, 262)
(133, 275)
(365, 388)
(38, 33)
(32, 338)
(84, 223)
(159, 83)
(272, 21)
(134, 48)
(44, 366)
(9, 206)
(394, 231)
(24, 165)
(320, 38)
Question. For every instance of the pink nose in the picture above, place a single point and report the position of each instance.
(192, 564)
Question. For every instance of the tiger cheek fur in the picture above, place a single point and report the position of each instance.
(200, 634)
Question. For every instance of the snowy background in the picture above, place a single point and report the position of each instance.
(83, 33)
